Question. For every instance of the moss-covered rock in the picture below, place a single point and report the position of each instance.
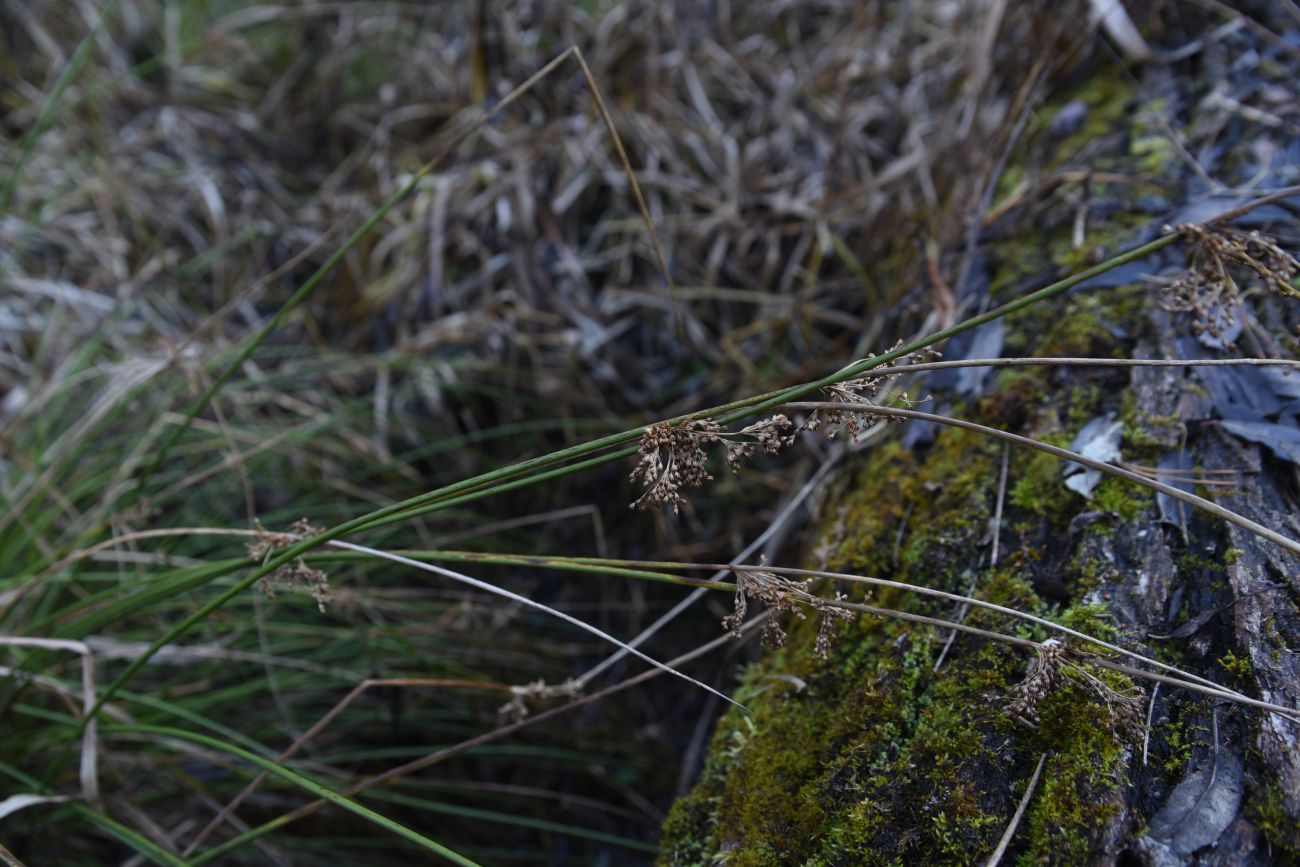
(879, 754)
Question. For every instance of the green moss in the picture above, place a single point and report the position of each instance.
(1146, 433)
(1154, 153)
(1108, 96)
(1266, 807)
(1175, 739)
(1080, 783)
(1239, 667)
(1122, 497)
(1038, 489)
(880, 759)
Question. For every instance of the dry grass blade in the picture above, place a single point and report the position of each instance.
(1010, 833)
(524, 600)
(89, 737)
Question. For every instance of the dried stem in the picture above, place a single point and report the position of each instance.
(1191, 499)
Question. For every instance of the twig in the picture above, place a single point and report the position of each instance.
(1008, 834)
(1151, 712)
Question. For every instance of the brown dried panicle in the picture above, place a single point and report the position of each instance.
(765, 434)
(1042, 678)
(517, 708)
(1057, 663)
(673, 458)
(293, 575)
(876, 386)
(783, 595)
(778, 594)
(832, 617)
(1208, 290)
(1123, 707)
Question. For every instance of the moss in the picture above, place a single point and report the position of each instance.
(1123, 498)
(1266, 807)
(1080, 782)
(880, 759)
(1241, 668)
(1148, 434)
(1038, 489)
(1154, 153)
(1178, 744)
(1108, 96)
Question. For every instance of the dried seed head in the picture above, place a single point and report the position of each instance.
(779, 594)
(1041, 679)
(1057, 663)
(1208, 290)
(517, 708)
(673, 458)
(876, 386)
(299, 575)
(291, 575)
(829, 626)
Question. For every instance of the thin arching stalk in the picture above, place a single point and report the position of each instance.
(1110, 469)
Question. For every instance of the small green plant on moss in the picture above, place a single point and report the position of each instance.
(1241, 668)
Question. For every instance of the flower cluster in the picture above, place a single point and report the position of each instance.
(1208, 290)
(1055, 665)
(746, 442)
(876, 386)
(1042, 679)
(673, 458)
(779, 594)
(296, 575)
(782, 595)
(832, 617)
